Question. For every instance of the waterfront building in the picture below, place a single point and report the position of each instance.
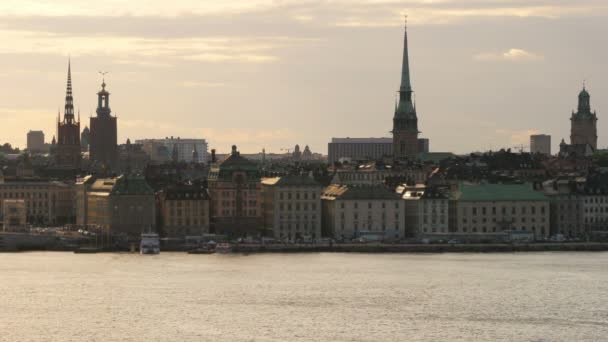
(357, 149)
(46, 202)
(103, 144)
(426, 210)
(566, 204)
(292, 207)
(235, 190)
(184, 210)
(488, 210)
(366, 211)
(405, 121)
(595, 204)
(540, 143)
(67, 147)
(13, 215)
(35, 141)
(119, 205)
(186, 150)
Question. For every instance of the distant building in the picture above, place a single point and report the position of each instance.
(235, 190)
(35, 141)
(540, 143)
(13, 215)
(584, 122)
(184, 211)
(377, 173)
(103, 144)
(67, 147)
(188, 150)
(423, 145)
(132, 158)
(292, 207)
(488, 210)
(405, 121)
(85, 138)
(359, 149)
(372, 212)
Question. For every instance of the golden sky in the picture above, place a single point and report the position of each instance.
(272, 74)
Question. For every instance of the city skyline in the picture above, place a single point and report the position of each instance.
(321, 67)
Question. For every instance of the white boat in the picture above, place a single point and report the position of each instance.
(150, 244)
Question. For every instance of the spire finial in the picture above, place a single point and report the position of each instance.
(405, 20)
(103, 78)
(584, 81)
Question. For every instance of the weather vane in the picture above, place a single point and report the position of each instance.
(405, 19)
(103, 75)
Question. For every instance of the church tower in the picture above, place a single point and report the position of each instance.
(405, 122)
(583, 129)
(67, 149)
(103, 145)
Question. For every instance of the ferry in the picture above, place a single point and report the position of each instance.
(150, 244)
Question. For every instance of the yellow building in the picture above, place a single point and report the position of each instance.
(184, 211)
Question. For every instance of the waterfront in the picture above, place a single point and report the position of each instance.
(304, 297)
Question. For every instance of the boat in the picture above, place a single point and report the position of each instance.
(150, 244)
(201, 250)
(223, 247)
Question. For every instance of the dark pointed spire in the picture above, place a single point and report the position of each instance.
(405, 66)
(68, 115)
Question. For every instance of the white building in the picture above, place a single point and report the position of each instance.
(362, 211)
(292, 207)
(161, 150)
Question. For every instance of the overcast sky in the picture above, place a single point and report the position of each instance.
(262, 73)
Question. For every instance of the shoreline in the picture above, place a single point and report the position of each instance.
(363, 248)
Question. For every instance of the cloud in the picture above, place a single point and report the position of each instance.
(517, 137)
(513, 55)
(201, 84)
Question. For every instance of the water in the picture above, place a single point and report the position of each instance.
(306, 297)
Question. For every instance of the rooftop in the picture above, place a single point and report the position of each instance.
(497, 192)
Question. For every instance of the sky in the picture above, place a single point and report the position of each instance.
(275, 73)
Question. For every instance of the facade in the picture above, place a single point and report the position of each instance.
(121, 205)
(292, 207)
(359, 149)
(13, 215)
(184, 211)
(46, 202)
(374, 173)
(235, 190)
(426, 210)
(132, 158)
(362, 211)
(103, 144)
(566, 204)
(583, 129)
(405, 122)
(491, 209)
(540, 143)
(35, 141)
(67, 147)
(187, 150)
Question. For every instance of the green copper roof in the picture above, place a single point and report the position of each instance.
(497, 193)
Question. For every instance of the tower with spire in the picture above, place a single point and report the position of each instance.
(405, 121)
(103, 144)
(67, 149)
(583, 122)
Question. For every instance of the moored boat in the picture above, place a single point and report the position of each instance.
(150, 244)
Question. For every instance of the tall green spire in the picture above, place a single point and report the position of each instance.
(406, 108)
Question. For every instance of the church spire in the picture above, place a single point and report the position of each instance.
(69, 100)
(406, 85)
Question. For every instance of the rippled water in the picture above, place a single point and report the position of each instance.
(306, 297)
